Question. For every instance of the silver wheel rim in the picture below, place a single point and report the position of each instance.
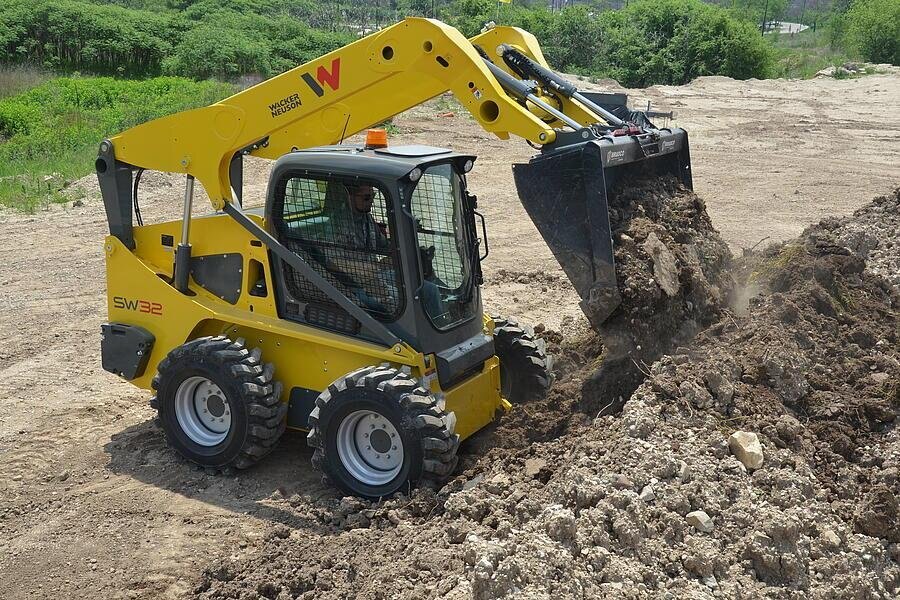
(202, 411)
(369, 447)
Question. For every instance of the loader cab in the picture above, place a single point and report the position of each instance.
(394, 230)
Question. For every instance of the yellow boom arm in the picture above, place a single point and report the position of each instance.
(334, 96)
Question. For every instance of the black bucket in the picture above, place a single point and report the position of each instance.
(566, 193)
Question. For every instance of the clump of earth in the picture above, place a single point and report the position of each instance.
(759, 458)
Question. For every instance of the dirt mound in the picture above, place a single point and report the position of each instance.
(672, 269)
(656, 503)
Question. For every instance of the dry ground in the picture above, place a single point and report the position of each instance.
(91, 501)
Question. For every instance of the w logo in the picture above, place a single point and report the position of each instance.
(331, 78)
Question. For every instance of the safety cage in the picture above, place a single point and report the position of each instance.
(448, 245)
(343, 227)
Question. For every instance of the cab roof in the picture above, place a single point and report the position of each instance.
(392, 161)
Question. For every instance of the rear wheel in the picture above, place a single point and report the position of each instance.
(375, 431)
(524, 366)
(218, 404)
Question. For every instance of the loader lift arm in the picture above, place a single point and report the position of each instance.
(322, 101)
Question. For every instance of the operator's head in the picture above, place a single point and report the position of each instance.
(361, 197)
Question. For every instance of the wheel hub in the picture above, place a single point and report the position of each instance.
(216, 406)
(202, 411)
(381, 441)
(370, 447)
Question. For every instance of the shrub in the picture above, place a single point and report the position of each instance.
(873, 30)
(675, 41)
(56, 126)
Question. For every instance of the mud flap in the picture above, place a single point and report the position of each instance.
(566, 193)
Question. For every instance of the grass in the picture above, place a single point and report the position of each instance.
(15, 79)
(49, 133)
(770, 266)
(802, 55)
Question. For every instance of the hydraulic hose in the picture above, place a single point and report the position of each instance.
(529, 69)
(523, 90)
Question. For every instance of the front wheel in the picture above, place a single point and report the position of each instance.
(376, 432)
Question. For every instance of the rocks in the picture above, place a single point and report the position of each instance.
(559, 523)
(665, 270)
(622, 482)
(534, 466)
(700, 521)
(696, 394)
(746, 448)
(830, 539)
(647, 494)
(879, 514)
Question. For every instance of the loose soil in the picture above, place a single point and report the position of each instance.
(546, 502)
(599, 508)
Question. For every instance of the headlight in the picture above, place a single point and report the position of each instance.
(415, 174)
(467, 166)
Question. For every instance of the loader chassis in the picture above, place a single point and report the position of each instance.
(306, 314)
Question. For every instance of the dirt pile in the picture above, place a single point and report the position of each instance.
(671, 265)
(672, 269)
(655, 503)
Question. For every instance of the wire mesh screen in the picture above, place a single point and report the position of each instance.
(444, 245)
(433, 205)
(341, 228)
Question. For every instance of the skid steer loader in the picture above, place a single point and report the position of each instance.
(350, 306)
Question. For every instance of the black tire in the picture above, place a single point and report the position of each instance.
(525, 374)
(424, 428)
(257, 416)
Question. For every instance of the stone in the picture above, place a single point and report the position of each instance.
(470, 484)
(665, 270)
(830, 539)
(533, 466)
(647, 494)
(746, 448)
(700, 521)
(697, 395)
(622, 482)
(559, 523)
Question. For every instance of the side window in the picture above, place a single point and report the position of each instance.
(342, 227)
(446, 249)
(433, 204)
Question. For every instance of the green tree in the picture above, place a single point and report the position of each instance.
(873, 30)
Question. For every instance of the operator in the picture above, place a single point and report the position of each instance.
(363, 233)
(367, 234)
(357, 257)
